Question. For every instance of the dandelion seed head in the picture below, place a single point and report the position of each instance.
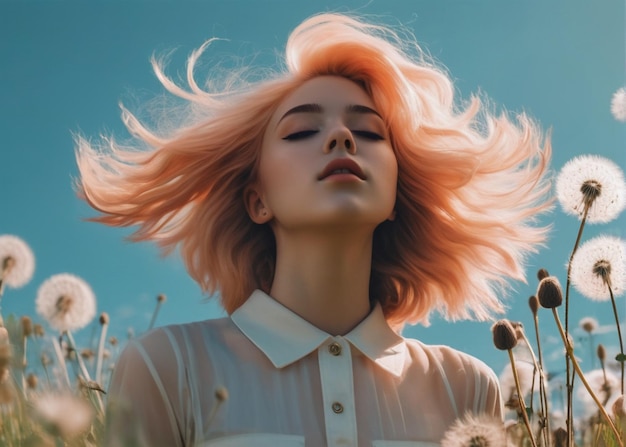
(619, 407)
(64, 415)
(16, 260)
(525, 373)
(475, 431)
(618, 104)
(66, 302)
(597, 264)
(588, 324)
(595, 181)
(606, 390)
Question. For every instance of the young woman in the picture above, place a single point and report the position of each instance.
(328, 205)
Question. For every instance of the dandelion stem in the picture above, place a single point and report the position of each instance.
(520, 398)
(570, 353)
(568, 373)
(24, 362)
(83, 369)
(79, 358)
(619, 334)
(543, 402)
(5, 271)
(160, 301)
(103, 335)
(61, 359)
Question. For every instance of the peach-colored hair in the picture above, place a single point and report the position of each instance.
(470, 184)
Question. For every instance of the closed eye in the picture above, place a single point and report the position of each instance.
(368, 135)
(300, 135)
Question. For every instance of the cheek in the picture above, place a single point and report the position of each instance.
(391, 169)
(277, 175)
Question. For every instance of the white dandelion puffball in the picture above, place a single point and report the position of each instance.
(479, 430)
(66, 302)
(618, 104)
(591, 173)
(606, 390)
(599, 258)
(525, 373)
(18, 260)
(63, 414)
(588, 324)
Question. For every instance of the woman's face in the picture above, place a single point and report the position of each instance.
(326, 161)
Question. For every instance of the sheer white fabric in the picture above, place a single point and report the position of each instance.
(291, 384)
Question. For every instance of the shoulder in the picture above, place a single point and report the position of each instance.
(450, 359)
(471, 383)
(165, 346)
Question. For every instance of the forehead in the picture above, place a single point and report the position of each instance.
(333, 93)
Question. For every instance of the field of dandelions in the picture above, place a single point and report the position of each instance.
(53, 391)
(589, 408)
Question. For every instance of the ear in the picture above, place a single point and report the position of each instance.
(257, 210)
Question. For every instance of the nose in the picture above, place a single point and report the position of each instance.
(341, 138)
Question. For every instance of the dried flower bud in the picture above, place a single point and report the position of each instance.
(221, 394)
(38, 330)
(45, 360)
(27, 326)
(542, 273)
(87, 354)
(601, 352)
(8, 394)
(5, 349)
(549, 292)
(618, 408)
(104, 318)
(113, 341)
(504, 337)
(588, 324)
(87, 385)
(161, 298)
(32, 381)
(533, 303)
(560, 437)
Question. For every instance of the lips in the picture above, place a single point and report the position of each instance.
(342, 166)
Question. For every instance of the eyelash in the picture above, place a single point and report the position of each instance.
(373, 136)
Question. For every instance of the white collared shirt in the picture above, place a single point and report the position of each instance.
(291, 384)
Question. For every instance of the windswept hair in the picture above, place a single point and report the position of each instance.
(470, 184)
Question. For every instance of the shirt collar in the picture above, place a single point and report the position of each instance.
(285, 337)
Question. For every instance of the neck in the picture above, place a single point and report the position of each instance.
(324, 279)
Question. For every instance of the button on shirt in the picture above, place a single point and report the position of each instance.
(290, 383)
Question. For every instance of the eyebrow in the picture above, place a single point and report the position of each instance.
(316, 108)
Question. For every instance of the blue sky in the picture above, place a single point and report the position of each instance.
(65, 65)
